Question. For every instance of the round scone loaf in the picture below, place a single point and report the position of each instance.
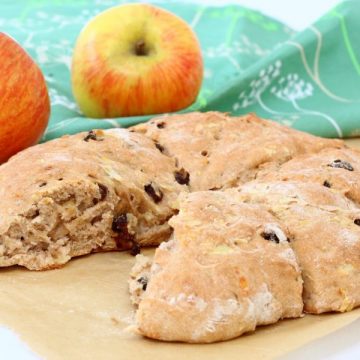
(96, 191)
(218, 151)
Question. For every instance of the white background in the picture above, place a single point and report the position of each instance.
(296, 14)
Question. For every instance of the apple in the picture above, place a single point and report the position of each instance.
(135, 59)
(24, 100)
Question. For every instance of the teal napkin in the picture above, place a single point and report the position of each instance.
(309, 80)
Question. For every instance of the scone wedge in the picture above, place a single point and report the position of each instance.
(338, 169)
(227, 269)
(96, 191)
(324, 228)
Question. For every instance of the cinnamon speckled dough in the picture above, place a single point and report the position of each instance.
(220, 151)
(59, 199)
(335, 168)
(219, 276)
(325, 235)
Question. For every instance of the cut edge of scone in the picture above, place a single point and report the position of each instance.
(139, 278)
(86, 203)
(39, 237)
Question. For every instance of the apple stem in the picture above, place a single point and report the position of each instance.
(140, 49)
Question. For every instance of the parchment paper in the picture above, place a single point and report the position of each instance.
(82, 311)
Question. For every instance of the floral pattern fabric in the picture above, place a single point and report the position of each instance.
(309, 80)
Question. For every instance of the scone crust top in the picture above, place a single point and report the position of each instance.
(325, 235)
(337, 169)
(220, 151)
(219, 277)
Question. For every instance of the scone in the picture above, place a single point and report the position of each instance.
(217, 151)
(324, 230)
(227, 269)
(333, 168)
(139, 278)
(96, 191)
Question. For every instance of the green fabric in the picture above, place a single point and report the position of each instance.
(309, 80)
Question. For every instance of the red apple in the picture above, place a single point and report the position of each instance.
(136, 59)
(24, 100)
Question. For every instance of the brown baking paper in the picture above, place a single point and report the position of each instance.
(82, 311)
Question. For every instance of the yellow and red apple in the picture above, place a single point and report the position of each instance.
(136, 59)
(24, 100)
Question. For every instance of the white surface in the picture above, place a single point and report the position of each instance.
(295, 13)
(342, 344)
(298, 14)
(11, 348)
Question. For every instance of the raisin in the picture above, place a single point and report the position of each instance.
(159, 147)
(123, 243)
(119, 224)
(341, 164)
(182, 176)
(357, 222)
(103, 191)
(204, 153)
(161, 125)
(271, 236)
(43, 184)
(143, 281)
(90, 136)
(156, 195)
(135, 249)
(327, 184)
(124, 240)
(60, 179)
(35, 214)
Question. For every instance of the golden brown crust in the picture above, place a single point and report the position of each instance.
(220, 151)
(219, 276)
(338, 169)
(324, 236)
